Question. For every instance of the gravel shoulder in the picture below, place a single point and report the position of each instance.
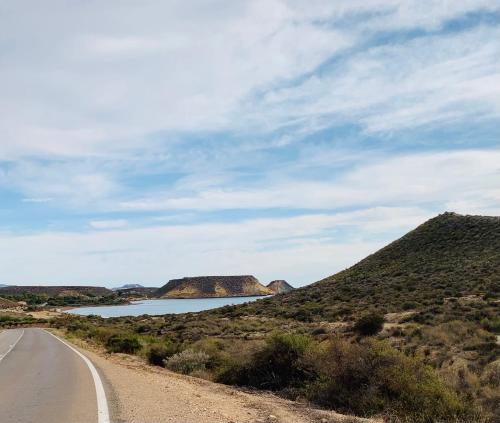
(139, 393)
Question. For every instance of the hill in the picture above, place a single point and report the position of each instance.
(61, 296)
(449, 256)
(127, 286)
(213, 286)
(56, 291)
(139, 292)
(280, 286)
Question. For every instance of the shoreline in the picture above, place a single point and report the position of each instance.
(251, 298)
(212, 297)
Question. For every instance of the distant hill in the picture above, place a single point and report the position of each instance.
(280, 286)
(2, 285)
(213, 286)
(448, 256)
(127, 286)
(141, 291)
(56, 291)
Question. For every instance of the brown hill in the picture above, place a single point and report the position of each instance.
(56, 291)
(213, 286)
(280, 286)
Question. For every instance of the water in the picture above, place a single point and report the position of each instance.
(157, 307)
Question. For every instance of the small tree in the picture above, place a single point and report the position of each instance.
(127, 344)
(369, 324)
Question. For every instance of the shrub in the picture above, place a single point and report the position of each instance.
(370, 324)
(127, 344)
(493, 325)
(278, 365)
(372, 377)
(491, 374)
(157, 353)
(188, 361)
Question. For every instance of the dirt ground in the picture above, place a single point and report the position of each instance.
(139, 393)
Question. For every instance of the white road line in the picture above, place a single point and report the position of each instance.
(11, 346)
(102, 403)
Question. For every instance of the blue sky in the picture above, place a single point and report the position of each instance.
(143, 141)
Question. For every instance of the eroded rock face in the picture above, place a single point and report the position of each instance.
(280, 286)
(213, 286)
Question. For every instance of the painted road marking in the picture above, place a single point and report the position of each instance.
(11, 346)
(102, 403)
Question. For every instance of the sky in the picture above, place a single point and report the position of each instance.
(142, 141)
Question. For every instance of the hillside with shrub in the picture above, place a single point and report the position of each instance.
(408, 334)
(60, 296)
(449, 259)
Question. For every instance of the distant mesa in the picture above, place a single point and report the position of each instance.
(138, 291)
(128, 286)
(213, 287)
(280, 286)
(57, 291)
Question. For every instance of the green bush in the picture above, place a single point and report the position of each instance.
(372, 377)
(275, 367)
(157, 353)
(188, 361)
(369, 324)
(127, 344)
(493, 324)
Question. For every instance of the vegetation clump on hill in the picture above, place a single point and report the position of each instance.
(369, 324)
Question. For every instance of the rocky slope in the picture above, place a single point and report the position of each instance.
(213, 286)
(280, 286)
(6, 303)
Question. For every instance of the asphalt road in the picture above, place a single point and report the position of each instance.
(43, 380)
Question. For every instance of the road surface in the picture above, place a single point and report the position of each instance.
(43, 380)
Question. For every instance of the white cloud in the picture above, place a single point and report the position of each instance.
(471, 175)
(98, 79)
(108, 224)
(297, 249)
(69, 183)
(37, 200)
(101, 78)
(435, 79)
(125, 45)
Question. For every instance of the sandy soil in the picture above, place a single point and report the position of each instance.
(44, 314)
(139, 393)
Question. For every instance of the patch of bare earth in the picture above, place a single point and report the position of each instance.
(141, 393)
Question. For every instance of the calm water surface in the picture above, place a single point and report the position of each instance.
(156, 307)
